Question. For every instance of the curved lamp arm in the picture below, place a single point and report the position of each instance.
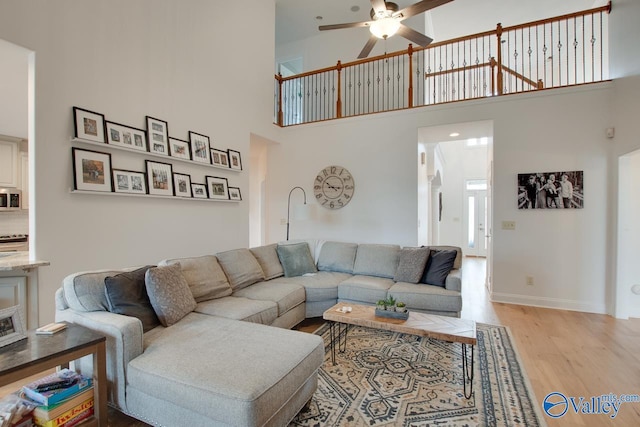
(289, 206)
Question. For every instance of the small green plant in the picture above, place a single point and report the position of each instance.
(401, 307)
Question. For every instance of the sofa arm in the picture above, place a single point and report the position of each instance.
(453, 281)
(124, 343)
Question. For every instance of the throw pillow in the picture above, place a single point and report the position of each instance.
(412, 264)
(204, 275)
(126, 294)
(267, 257)
(241, 267)
(438, 267)
(169, 293)
(296, 259)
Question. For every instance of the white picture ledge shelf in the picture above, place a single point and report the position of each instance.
(150, 196)
(149, 154)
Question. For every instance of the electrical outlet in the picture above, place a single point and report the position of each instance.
(508, 225)
(529, 280)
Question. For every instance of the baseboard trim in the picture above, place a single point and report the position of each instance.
(557, 303)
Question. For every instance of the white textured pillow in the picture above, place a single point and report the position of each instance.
(169, 293)
(241, 267)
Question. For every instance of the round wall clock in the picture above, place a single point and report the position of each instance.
(333, 187)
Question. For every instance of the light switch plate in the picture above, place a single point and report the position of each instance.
(508, 225)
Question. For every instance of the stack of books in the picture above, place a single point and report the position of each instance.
(65, 399)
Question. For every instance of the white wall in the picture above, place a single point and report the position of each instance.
(560, 129)
(185, 62)
(14, 63)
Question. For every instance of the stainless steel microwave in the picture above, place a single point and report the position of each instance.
(10, 199)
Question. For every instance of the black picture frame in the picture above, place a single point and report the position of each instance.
(158, 136)
(182, 185)
(217, 187)
(219, 158)
(235, 194)
(128, 181)
(235, 160)
(91, 170)
(88, 125)
(179, 148)
(159, 178)
(199, 191)
(200, 145)
(125, 136)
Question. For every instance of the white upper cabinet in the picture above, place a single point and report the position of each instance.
(9, 164)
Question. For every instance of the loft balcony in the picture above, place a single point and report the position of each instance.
(567, 50)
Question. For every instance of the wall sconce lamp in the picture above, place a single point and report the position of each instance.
(289, 206)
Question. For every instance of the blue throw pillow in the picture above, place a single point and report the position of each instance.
(296, 259)
(439, 265)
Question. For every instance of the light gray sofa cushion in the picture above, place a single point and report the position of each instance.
(285, 295)
(169, 293)
(427, 297)
(267, 257)
(237, 373)
(377, 260)
(241, 267)
(411, 264)
(367, 289)
(239, 308)
(322, 286)
(204, 276)
(338, 257)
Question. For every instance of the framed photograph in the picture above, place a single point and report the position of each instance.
(88, 125)
(158, 135)
(234, 193)
(179, 148)
(199, 191)
(218, 187)
(125, 136)
(159, 178)
(219, 158)
(91, 170)
(12, 326)
(182, 184)
(125, 181)
(235, 162)
(551, 190)
(199, 147)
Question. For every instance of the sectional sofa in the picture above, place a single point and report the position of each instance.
(192, 341)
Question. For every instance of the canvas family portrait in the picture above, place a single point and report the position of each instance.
(551, 190)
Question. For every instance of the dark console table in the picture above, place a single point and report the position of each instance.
(39, 353)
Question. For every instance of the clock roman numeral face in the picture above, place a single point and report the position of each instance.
(333, 187)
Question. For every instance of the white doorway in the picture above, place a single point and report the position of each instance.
(475, 219)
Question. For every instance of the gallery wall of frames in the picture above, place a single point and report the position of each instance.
(163, 154)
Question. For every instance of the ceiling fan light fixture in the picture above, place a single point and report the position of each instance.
(384, 28)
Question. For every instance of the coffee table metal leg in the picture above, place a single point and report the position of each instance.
(467, 371)
(338, 334)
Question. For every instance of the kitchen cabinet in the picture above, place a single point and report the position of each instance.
(8, 163)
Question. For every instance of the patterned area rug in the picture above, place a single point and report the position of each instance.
(391, 379)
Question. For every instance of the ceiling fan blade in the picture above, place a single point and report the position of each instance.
(421, 6)
(414, 36)
(379, 6)
(366, 50)
(347, 25)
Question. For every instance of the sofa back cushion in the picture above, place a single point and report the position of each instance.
(338, 257)
(127, 294)
(296, 259)
(204, 276)
(377, 260)
(241, 267)
(84, 291)
(169, 293)
(267, 257)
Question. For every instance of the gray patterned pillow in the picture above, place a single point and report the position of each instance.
(411, 265)
(169, 293)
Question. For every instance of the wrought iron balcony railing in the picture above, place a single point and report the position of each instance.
(557, 52)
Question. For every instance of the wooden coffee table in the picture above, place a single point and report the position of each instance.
(451, 329)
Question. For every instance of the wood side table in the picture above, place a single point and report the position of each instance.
(38, 353)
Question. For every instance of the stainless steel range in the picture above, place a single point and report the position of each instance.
(14, 242)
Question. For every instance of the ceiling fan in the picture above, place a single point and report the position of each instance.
(387, 21)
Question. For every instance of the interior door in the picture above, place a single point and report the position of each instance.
(476, 232)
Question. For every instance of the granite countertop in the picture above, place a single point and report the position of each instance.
(10, 261)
